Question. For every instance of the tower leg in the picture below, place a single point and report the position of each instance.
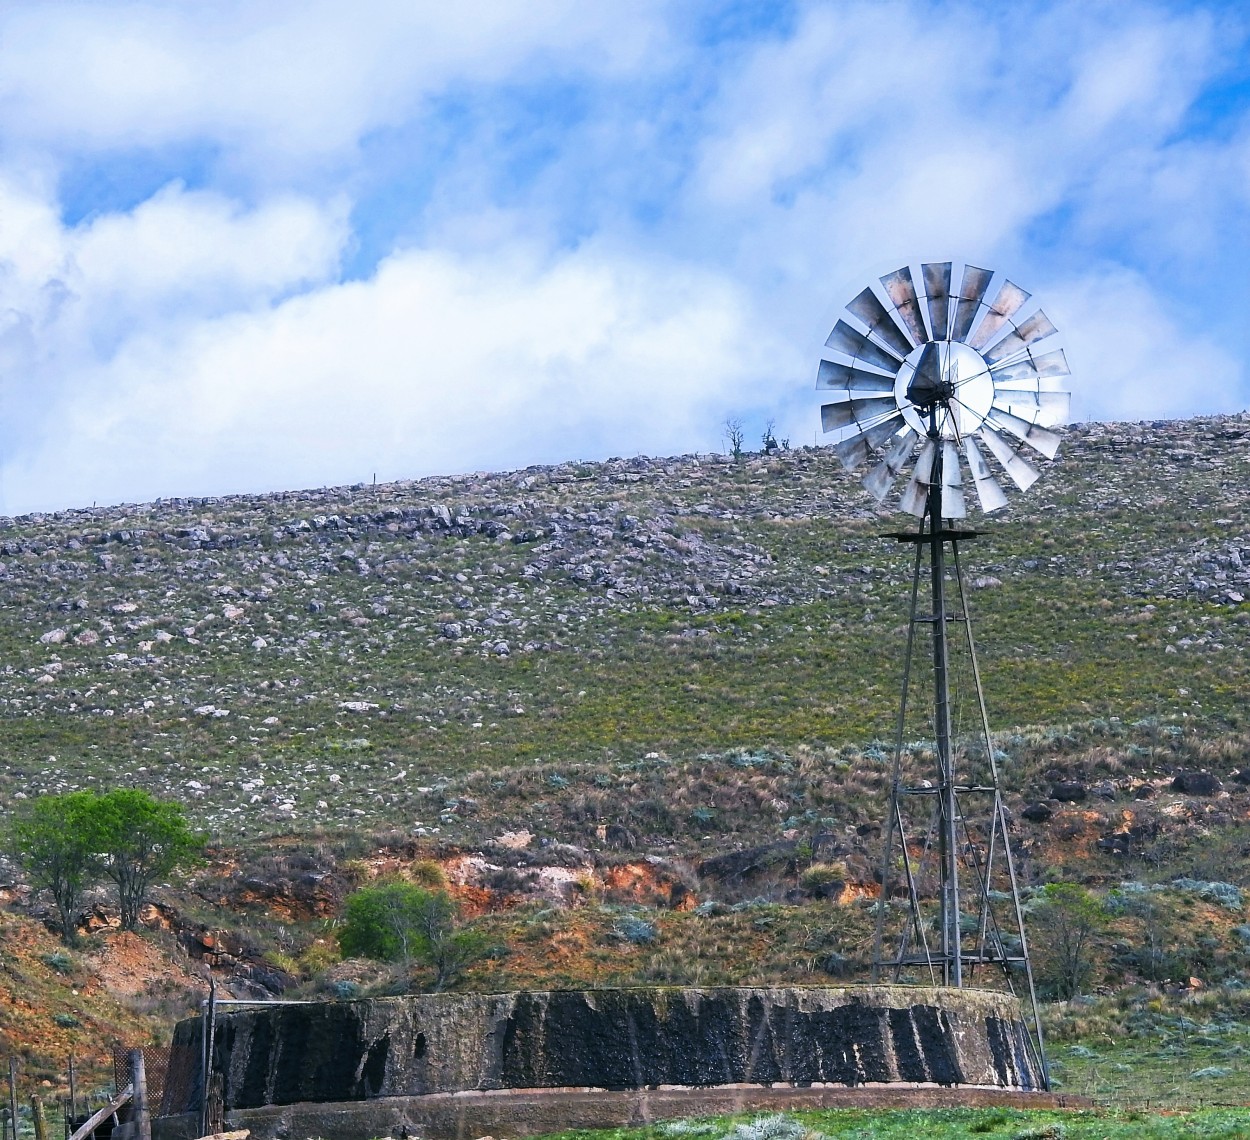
(967, 857)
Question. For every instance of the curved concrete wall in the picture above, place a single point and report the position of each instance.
(617, 1039)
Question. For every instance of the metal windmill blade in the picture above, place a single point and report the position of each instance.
(960, 366)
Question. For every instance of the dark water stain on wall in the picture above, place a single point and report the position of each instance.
(617, 1039)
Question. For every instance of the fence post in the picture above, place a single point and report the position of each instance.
(73, 1090)
(13, 1095)
(210, 1047)
(139, 1096)
(36, 1116)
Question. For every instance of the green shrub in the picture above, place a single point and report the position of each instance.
(428, 873)
(1221, 894)
(402, 922)
(67, 842)
(821, 876)
(393, 922)
(59, 961)
(1066, 924)
(1042, 1132)
(640, 931)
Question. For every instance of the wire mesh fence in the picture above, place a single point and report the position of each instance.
(172, 1075)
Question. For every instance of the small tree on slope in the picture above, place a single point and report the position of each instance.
(401, 922)
(136, 841)
(52, 841)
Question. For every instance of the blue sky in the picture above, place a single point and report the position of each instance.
(259, 246)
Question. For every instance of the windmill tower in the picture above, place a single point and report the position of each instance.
(960, 399)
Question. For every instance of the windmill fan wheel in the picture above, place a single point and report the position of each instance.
(959, 373)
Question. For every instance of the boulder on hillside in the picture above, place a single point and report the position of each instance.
(734, 866)
(1069, 792)
(1197, 783)
(1038, 812)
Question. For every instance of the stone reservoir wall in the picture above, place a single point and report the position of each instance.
(615, 1039)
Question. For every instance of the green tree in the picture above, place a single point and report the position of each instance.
(136, 841)
(401, 922)
(52, 841)
(1064, 928)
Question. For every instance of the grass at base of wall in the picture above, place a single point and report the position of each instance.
(946, 1124)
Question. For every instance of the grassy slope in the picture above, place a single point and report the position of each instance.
(731, 686)
(55, 1003)
(949, 1124)
(1065, 638)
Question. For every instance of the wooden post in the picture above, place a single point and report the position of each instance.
(13, 1095)
(204, 1067)
(139, 1083)
(73, 1090)
(207, 1025)
(36, 1115)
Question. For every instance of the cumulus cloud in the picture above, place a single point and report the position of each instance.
(436, 364)
(1138, 360)
(414, 237)
(284, 82)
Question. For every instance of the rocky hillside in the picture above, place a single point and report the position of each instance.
(644, 691)
(321, 658)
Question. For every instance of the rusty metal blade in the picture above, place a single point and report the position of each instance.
(854, 411)
(881, 478)
(1039, 407)
(971, 290)
(869, 309)
(856, 345)
(1037, 327)
(851, 379)
(953, 505)
(951, 475)
(901, 290)
(1048, 364)
(916, 493)
(1006, 302)
(937, 288)
(1038, 438)
(857, 450)
(990, 494)
(1019, 469)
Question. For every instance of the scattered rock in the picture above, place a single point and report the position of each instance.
(1197, 783)
(1069, 792)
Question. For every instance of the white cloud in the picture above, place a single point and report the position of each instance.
(619, 236)
(73, 297)
(884, 134)
(437, 364)
(199, 249)
(1131, 357)
(283, 82)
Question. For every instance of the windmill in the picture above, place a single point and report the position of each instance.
(962, 398)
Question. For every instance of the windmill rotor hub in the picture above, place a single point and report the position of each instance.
(962, 388)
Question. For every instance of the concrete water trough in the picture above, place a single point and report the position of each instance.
(446, 1065)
